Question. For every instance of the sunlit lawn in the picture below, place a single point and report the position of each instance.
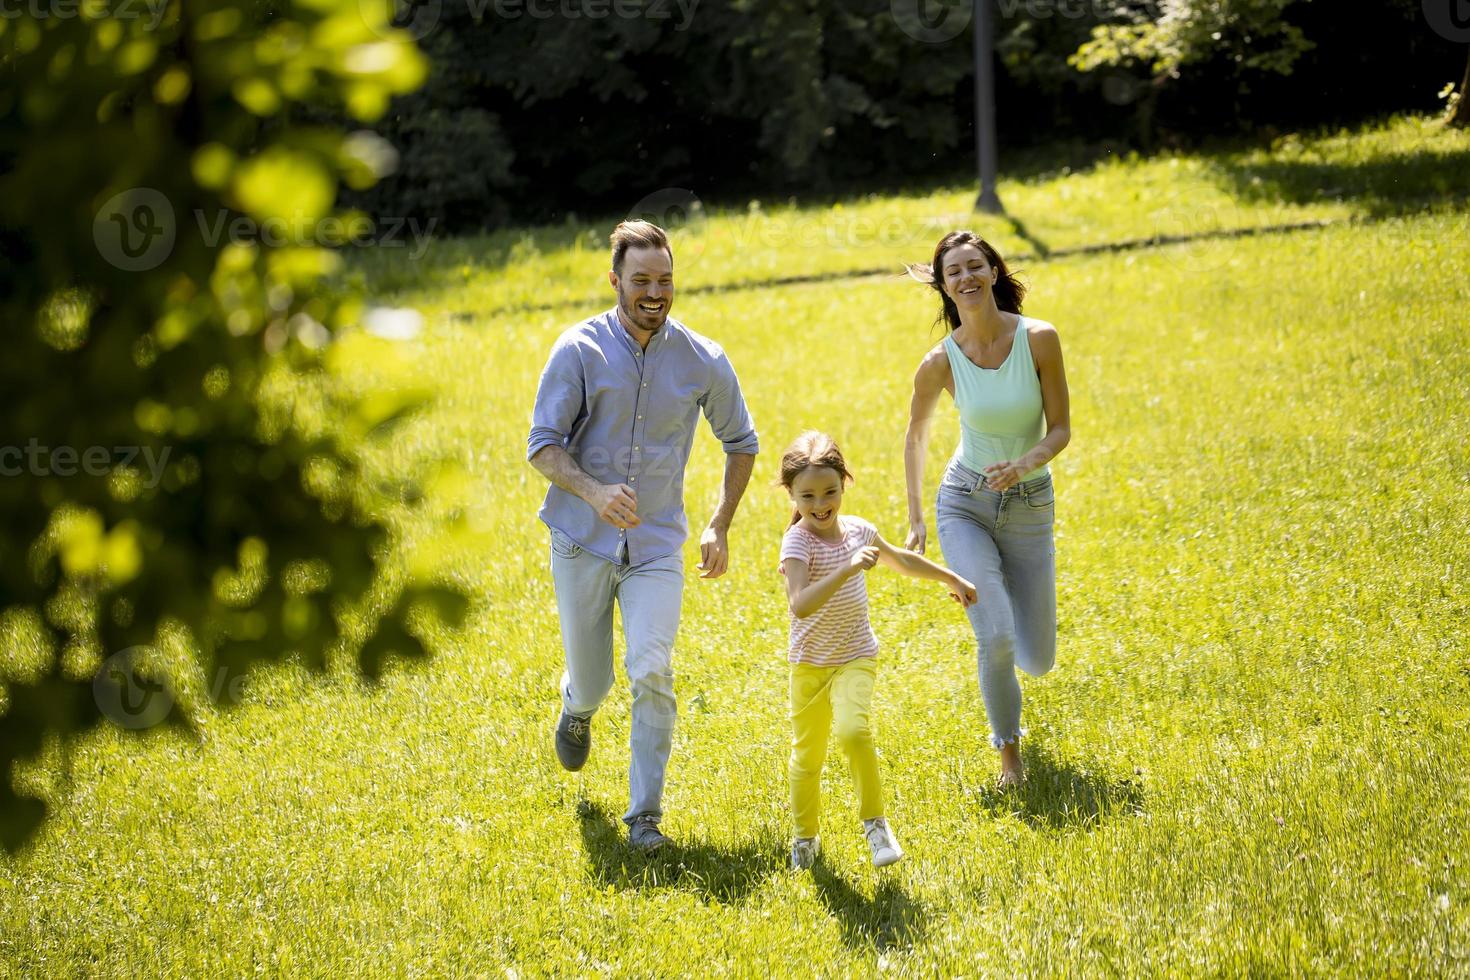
(1402, 165)
(1251, 757)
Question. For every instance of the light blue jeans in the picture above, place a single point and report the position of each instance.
(650, 596)
(1002, 542)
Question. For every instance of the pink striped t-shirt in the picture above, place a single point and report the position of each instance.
(839, 631)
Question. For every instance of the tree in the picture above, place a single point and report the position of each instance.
(1252, 34)
(1166, 37)
(180, 484)
(1459, 110)
(523, 113)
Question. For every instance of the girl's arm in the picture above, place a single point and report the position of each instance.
(917, 566)
(1046, 351)
(932, 377)
(806, 598)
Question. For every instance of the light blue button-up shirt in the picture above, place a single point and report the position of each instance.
(627, 415)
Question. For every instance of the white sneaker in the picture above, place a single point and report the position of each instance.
(804, 851)
(881, 840)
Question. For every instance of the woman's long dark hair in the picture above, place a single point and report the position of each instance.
(1009, 290)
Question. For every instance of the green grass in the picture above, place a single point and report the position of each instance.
(1251, 757)
(1401, 166)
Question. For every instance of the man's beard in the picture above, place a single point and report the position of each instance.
(640, 319)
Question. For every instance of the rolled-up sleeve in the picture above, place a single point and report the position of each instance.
(559, 400)
(724, 407)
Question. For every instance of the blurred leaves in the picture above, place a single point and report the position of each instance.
(181, 465)
(1166, 35)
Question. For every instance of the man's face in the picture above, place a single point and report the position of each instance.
(645, 287)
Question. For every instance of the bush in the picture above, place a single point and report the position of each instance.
(179, 490)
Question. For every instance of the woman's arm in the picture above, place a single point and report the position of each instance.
(932, 377)
(917, 566)
(1046, 351)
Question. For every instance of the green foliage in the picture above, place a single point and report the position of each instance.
(1169, 35)
(181, 467)
(528, 119)
(525, 113)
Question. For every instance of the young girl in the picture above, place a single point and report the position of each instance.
(823, 557)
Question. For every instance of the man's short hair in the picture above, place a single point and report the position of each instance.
(636, 234)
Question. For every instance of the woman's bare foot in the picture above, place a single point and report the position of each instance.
(1012, 771)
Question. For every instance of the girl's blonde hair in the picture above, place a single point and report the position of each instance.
(811, 449)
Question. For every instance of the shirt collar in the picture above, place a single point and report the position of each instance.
(616, 326)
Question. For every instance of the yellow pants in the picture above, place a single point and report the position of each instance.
(818, 695)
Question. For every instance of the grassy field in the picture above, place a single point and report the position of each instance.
(1251, 757)
(1057, 200)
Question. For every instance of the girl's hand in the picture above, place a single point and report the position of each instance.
(961, 591)
(1004, 475)
(863, 559)
(917, 534)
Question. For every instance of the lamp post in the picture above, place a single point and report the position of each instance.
(988, 202)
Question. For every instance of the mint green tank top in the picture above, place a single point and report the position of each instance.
(1001, 415)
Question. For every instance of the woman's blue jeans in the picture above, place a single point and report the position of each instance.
(1002, 542)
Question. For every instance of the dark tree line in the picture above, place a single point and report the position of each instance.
(526, 118)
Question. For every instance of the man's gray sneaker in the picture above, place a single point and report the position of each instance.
(573, 740)
(645, 835)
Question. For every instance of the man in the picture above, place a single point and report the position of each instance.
(615, 416)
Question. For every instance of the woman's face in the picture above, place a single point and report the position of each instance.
(966, 275)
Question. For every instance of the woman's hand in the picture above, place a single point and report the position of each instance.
(1005, 474)
(917, 535)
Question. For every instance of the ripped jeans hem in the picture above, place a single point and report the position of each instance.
(997, 742)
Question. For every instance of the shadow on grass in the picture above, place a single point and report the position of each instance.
(1382, 187)
(392, 271)
(1058, 795)
(889, 919)
(717, 874)
(1040, 247)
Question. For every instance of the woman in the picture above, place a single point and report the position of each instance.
(994, 511)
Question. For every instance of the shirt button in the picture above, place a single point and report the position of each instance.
(632, 479)
(640, 418)
(645, 384)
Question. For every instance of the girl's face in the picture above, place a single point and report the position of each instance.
(966, 275)
(817, 493)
